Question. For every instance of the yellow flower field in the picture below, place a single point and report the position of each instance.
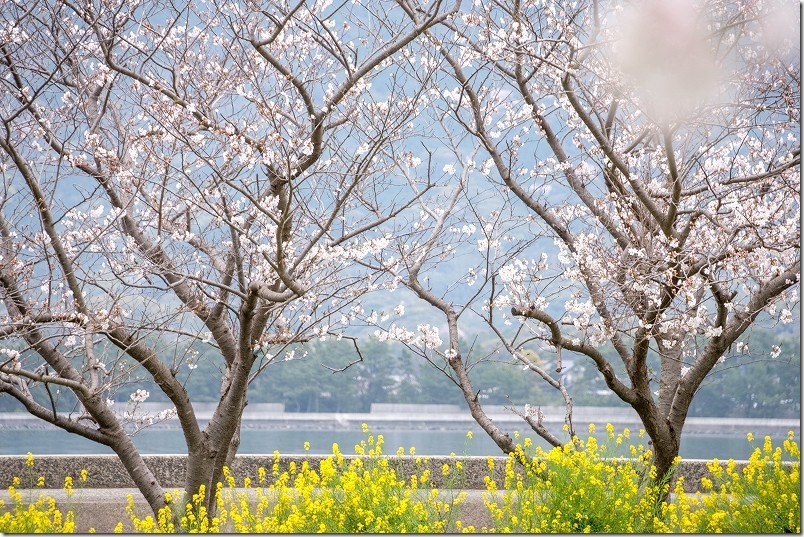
(584, 486)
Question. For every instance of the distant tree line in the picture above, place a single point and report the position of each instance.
(312, 378)
(389, 373)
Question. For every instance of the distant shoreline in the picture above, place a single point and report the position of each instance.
(438, 418)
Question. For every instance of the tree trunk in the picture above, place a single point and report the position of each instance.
(142, 476)
(200, 468)
(665, 440)
(664, 454)
(219, 447)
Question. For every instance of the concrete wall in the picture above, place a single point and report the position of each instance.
(107, 472)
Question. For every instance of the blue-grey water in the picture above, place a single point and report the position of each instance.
(262, 441)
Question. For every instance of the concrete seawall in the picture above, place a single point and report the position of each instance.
(107, 472)
(100, 502)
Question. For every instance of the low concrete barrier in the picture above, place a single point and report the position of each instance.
(107, 472)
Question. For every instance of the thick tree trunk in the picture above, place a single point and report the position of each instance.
(664, 454)
(665, 439)
(200, 468)
(220, 444)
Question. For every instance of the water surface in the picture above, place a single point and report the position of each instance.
(266, 441)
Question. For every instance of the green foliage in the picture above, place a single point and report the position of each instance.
(387, 373)
(751, 384)
(744, 386)
(748, 384)
(502, 383)
(304, 384)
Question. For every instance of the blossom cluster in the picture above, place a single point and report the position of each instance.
(425, 336)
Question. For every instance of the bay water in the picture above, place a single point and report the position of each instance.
(46, 441)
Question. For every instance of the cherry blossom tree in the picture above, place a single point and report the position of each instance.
(174, 175)
(240, 175)
(659, 146)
